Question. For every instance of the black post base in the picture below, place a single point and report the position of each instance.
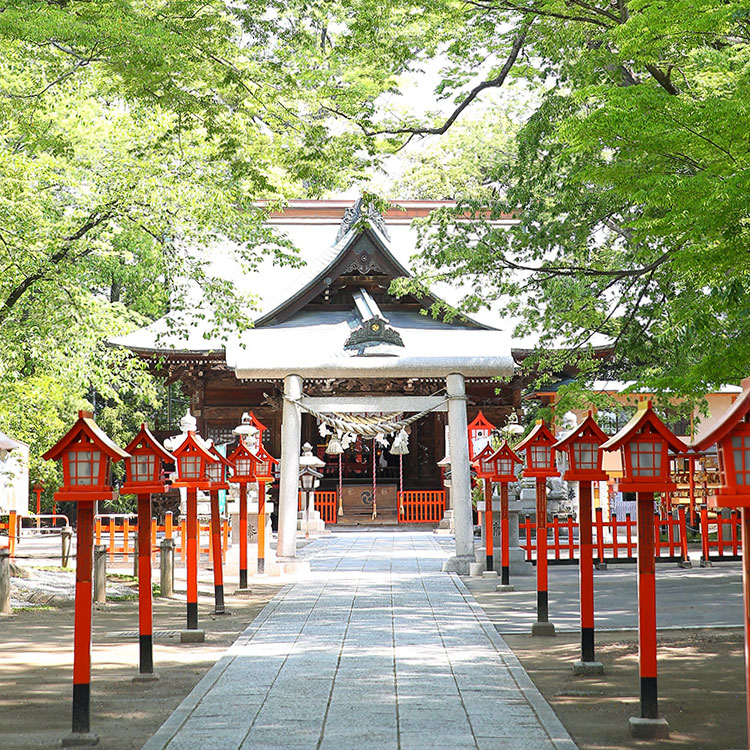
(261, 565)
(587, 644)
(243, 578)
(146, 643)
(192, 615)
(81, 708)
(542, 606)
(505, 576)
(490, 562)
(219, 600)
(649, 698)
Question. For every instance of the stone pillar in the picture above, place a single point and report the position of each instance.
(291, 432)
(100, 573)
(166, 568)
(460, 477)
(5, 608)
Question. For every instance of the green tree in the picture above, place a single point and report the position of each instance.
(629, 181)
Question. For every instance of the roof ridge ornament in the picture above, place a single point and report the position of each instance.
(371, 333)
(358, 215)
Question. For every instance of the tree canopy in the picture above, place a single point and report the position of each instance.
(629, 182)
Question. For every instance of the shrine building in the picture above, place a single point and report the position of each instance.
(333, 355)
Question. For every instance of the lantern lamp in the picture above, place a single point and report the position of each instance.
(242, 458)
(144, 469)
(731, 435)
(87, 455)
(192, 458)
(498, 465)
(582, 449)
(644, 443)
(480, 432)
(539, 446)
(219, 471)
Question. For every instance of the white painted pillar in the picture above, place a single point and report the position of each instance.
(291, 433)
(460, 476)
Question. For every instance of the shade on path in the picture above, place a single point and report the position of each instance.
(376, 649)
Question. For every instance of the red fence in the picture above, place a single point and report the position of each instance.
(118, 532)
(727, 541)
(614, 540)
(421, 506)
(326, 503)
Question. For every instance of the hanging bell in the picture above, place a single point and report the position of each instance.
(400, 445)
(334, 446)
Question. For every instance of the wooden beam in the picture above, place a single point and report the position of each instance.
(347, 404)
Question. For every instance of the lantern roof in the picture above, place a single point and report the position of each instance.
(504, 451)
(241, 451)
(540, 433)
(737, 413)
(213, 450)
(192, 440)
(480, 422)
(145, 436)
(587, 428)
(85, 426)
(645, 416)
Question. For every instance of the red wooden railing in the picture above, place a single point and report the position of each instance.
(421, 506)
(326, 503)
(119, 534)
(728, 542)
(615, 540)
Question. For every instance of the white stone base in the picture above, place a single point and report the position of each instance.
(460, 565)
(648, 729)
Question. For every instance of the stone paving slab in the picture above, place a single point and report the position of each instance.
(377, 648)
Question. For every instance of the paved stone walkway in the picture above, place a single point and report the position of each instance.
(376, 649)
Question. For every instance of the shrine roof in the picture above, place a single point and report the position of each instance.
(287, 331)
(311, 345)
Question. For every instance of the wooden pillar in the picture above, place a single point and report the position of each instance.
(261, 566)
(505, 536)
(82, 621)
(243, 536)
(216, 554)
(542, 626)
(145, 606)
(489, 531)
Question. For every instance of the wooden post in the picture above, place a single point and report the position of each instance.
(647, 606)
(489, 531)
(588, 663)
(145, 606)
(542, 626)
(504, 535)
(243, 535)
(261, 568)
(82, 620)
(216, 554)
(192, 634)
(12, 530)
(745, 516)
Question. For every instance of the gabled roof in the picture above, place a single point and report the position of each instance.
(85, 426)
(588, 427)
(734, 415)
(282, 291)
(645, 415)
(145, 436)
(540, 432)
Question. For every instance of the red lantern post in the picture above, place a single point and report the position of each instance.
(192, 458)
(263, 471)
(38, 488)
(539, 446)
(86, 454)
(498, 466)
(218, 473)
(644, 443)
(583, 450)
(732, 438)
(144, 475)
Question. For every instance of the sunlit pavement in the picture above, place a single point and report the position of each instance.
(377, 648)
(685, 598)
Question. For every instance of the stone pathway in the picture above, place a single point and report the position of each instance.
(376, 649)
